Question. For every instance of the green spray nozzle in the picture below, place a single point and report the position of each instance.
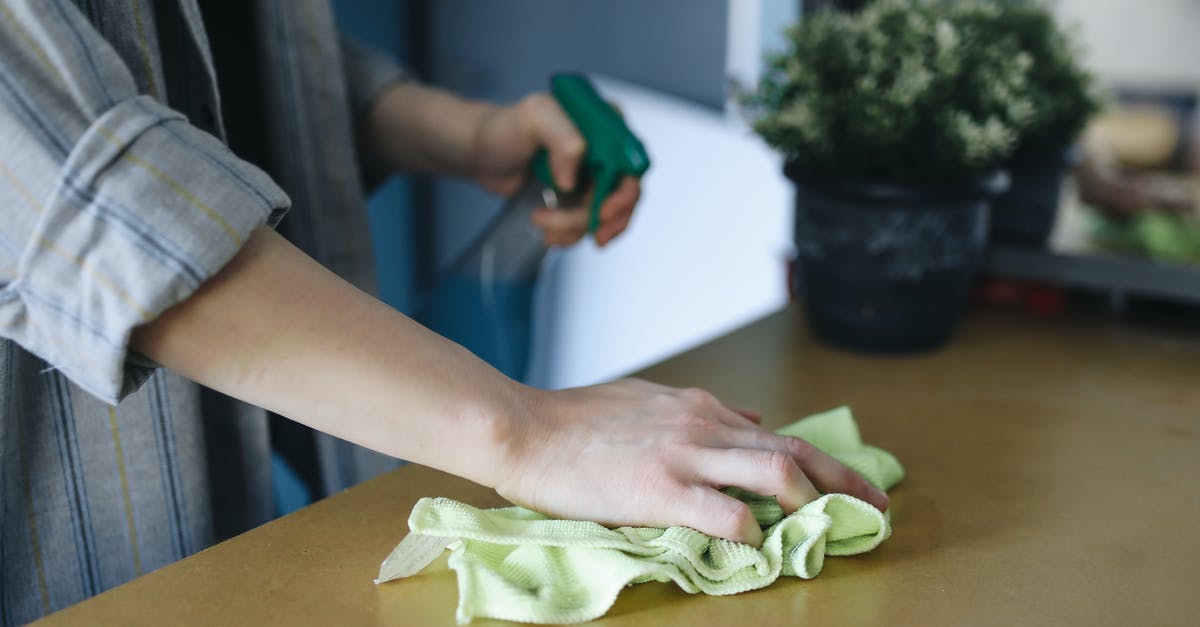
(613, 151)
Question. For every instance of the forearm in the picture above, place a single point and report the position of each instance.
(423, 129)
(276, 329)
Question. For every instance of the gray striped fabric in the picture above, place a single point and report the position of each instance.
(117, 199)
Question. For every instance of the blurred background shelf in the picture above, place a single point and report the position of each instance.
(1072, 260)
(1119, 277)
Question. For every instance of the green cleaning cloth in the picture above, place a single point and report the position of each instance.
(516, 564)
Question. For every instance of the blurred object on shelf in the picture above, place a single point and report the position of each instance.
(1157, 233)
(1125, 194)
(1036, 298)
(1138, 194)
(1125, 227)
(1140, 135)
(1137, 157)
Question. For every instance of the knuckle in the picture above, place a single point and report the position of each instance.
(780, 466)
(801, 451)
(536, 102)
(735, 518)
(698, 396)
(855, 482)
(660, 491)
(689, 421)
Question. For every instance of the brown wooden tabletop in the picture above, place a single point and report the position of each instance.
(1053, 478)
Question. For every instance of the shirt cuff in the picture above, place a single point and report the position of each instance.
(145, 210)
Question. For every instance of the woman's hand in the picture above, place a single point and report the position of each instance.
(507, 139)
(423, 129)
(638, 453)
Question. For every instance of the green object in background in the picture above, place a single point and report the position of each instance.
(1168, 238)
(1159, 235)
(613, 151)
(515, 564)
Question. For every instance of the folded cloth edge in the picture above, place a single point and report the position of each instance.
(411, 556)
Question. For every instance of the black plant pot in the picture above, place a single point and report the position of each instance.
(889, 269)
(1025, 214)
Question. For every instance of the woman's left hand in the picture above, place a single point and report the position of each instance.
(506, 140)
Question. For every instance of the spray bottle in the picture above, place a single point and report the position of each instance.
(485, 299)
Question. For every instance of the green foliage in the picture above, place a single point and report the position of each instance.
(918, 92)
(1156, 234)
(1063, 92)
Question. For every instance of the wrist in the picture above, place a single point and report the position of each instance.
(496, 433)
(521, 439)
(423, 129)
(482, 119)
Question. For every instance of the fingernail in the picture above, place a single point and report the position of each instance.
(753, 534)
(881, 499)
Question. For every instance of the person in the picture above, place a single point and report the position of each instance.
(138, 263)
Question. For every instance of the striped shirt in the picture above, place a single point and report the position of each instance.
(118, 198)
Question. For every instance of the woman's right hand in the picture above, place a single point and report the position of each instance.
(637, 453)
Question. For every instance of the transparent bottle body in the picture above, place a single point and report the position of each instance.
(511, 247)
(485, 299)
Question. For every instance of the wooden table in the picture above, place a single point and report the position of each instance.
(1053, 478)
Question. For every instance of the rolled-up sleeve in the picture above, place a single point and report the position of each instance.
(368, 72)
(114, 207)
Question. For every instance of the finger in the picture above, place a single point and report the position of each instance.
(617, 210)
(554, 130)
(710, 512)
(609, 232)
(562, 239)
(622, 200)
(765, 472)
(825, 472)
(561, 226)
(752, 415)
(560, 219)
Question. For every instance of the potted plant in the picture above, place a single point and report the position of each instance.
(1064, 96)
(894, 126)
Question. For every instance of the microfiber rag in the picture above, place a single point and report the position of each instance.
(516, 564)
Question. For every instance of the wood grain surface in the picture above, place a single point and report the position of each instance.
(1053, 479)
